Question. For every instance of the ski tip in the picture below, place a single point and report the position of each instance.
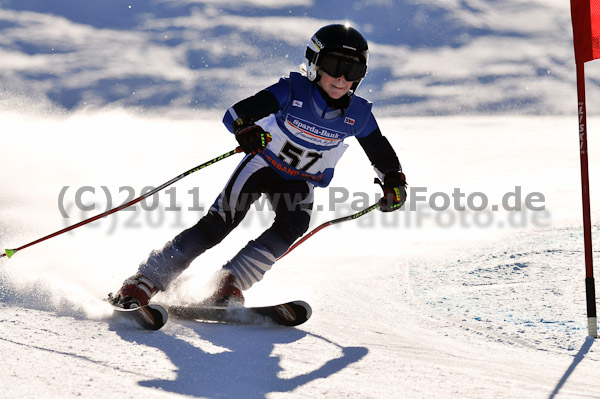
(159, 310)
(306, 307)
(9, 252)
(150, 317)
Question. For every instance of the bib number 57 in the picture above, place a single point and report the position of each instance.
(294, 156)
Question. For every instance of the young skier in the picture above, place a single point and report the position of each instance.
(293, 134)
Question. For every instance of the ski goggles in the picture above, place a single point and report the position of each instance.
(336, 66)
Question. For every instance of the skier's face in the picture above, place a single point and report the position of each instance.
(334, 87)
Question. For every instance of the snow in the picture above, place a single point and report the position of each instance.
(428, 57)
(404, 305)
(475, 289)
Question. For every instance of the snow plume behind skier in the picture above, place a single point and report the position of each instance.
(293, 134)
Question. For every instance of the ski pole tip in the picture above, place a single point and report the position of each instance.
(9, 252)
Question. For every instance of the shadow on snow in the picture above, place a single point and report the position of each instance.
(246, 369)
(585, 348)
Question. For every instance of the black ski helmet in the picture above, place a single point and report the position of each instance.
(340, 39)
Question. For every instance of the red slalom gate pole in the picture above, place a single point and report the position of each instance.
(590, 286)
(10, 252)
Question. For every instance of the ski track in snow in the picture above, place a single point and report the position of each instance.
(400, 308)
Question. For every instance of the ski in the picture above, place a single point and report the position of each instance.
(288, 314)
(150, 317)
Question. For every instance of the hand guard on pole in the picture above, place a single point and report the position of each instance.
(252, 138)
(394, 191)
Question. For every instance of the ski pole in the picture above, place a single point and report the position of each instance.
(329, 223)
(335, 221)
(10, 252)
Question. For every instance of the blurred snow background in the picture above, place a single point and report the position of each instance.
(432, 57)
(417, 304)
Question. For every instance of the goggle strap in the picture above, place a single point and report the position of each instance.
(311, 55)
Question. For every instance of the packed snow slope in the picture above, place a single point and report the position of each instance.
(474, 290)
(456, 301)
(428, 57)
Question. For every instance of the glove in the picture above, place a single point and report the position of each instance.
(252, 138)
(394, 191)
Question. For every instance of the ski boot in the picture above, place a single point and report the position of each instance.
(135, 292)
(228, 291)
